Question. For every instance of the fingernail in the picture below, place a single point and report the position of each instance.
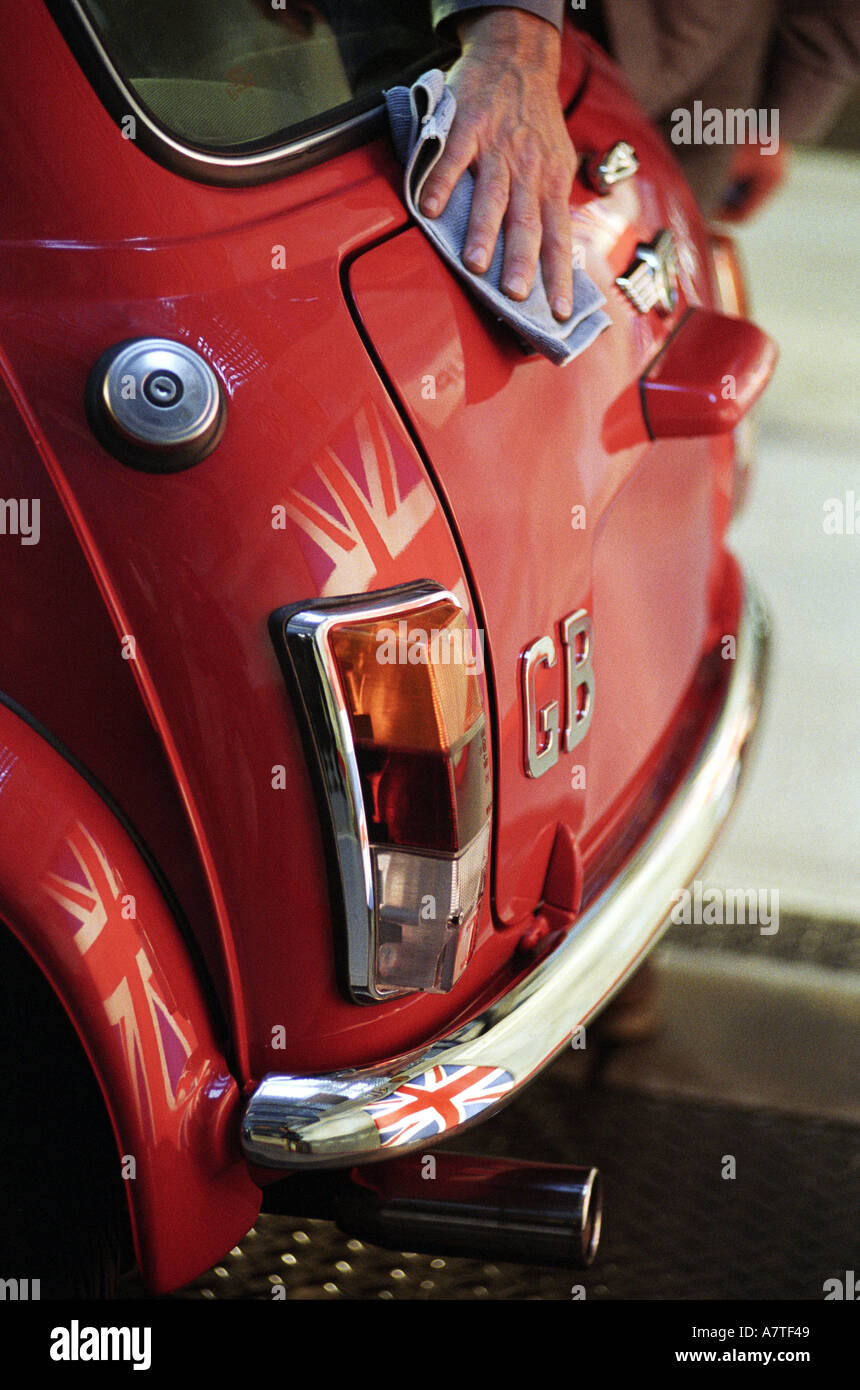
(476, 255)
(561, 307)
(430, 204)
(515, 284)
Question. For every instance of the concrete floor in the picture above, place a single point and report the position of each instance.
(797, 828)
(751, 1033)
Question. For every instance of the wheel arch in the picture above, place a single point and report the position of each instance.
(76, 891)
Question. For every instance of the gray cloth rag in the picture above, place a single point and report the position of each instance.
(420, 117)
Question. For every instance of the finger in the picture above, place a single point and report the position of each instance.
(458, 154)
(523, 228)
(557, 257)
(731, 212)
(757, 177)
(489, 205)
(762, 188)
(745, 199)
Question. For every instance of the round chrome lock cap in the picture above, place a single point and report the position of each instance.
(155, 404)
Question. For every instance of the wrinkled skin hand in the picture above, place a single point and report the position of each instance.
(509, 129)
(753, 177)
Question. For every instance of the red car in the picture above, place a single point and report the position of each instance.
(370, 685)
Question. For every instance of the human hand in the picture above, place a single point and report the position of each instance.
(509, 129)
(754, 176)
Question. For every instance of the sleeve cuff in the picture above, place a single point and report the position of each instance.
(446, 12)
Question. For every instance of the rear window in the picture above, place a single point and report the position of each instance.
(235, 76)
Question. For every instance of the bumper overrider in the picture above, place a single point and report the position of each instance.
(352, 1115)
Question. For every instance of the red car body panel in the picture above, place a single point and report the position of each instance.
(334, 477)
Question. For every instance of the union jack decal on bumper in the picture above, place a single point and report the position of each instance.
(437, 1100)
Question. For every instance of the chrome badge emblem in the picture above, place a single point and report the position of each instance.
(605, 171)
(543, 737)
(651, 281)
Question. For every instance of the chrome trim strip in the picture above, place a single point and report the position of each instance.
(211, 164)
(322, 1121)
(302, 634)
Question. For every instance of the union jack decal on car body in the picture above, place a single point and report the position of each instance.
(360, 506)
(438, 1099)
(156, 1040)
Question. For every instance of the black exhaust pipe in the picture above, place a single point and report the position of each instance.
(458, 1204)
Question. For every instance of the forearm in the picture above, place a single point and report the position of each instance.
(499, 37)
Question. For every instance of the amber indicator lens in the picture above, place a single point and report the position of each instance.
(412, 682)
(412, 691)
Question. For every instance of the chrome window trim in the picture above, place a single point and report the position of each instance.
(323, 1121)
(300, 634)
(188, 159)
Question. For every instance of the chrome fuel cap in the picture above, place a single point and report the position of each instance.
(155, 404)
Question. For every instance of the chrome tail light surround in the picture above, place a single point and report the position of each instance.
(410, 911)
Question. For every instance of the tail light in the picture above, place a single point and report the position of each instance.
(732, 298)
(728, 276)
(389, 686)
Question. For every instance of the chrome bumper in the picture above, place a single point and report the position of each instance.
(325, 1121)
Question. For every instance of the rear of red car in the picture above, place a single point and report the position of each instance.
(421, 680)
